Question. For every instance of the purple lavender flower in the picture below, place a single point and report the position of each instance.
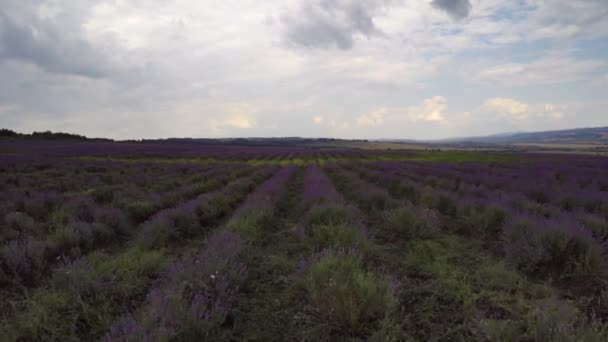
(317, 187)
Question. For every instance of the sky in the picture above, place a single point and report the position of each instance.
(398, 69)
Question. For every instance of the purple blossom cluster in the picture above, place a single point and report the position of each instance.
(317, 187)
(268, 193)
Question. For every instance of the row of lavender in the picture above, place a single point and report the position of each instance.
(561, 196)
(85, 294)
(38, 228)
(11, 153)
(340, 292)
(332, 286)
(550, 225)
(407, 203)
(194, 297)
(565, 245)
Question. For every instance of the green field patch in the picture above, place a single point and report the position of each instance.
(461, 156)
(425, 156)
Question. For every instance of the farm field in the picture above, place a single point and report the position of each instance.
(184, 242)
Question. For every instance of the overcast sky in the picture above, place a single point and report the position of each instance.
(419, 69)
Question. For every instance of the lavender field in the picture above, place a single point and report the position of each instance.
(185, 242)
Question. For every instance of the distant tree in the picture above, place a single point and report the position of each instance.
(4, 132)
(48, 135)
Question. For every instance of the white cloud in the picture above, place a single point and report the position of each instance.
(553, 111)
(317, 120)
(373, 119)
(506, 107)
(431, 110)
(238, 122)
(518, 111)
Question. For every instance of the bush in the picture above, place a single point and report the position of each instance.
(329, 215)
(343, 299)
(372, 198)
(140, 210)
(560, 321)
(17, 224)
(486, 223)
(323, 236)
(22, 262)
(560, 249)
(439, 310)
(40, 205)
(253, 225)
(500, 330)
(406, 223)
(407, 190)
(64, 239)
(209, 212)
(155, 232)
(103, 194)
(192, 299)
(81, 208)
(84, 296)
(497, 277)
(113, 218)
(169, 226)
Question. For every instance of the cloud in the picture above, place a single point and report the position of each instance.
(55, 44)
(364, 68)
(236, 122)
(457, 9)
(431, 110)
(566, 19)
(373, 119)
(542, 70)
(553, 111)
(330, 23)
(506, 107)
(518, 111)
(235, 116)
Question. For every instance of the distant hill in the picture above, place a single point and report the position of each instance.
(579, 136)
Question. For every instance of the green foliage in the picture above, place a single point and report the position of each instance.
(404, 224)
(253, 225)
(553, 252)
(459, 156)
(497, 277)
(443, 308)
(84, 297)
(425, 259)
(501, 330)
(139, 210)
(64, 239)
(485, 223)
(343, 299)
(22, 262)
(559, 321)
(328, 215)
(325, 236)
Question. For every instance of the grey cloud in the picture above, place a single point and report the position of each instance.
(53, 44)
(330, 23)
(457, 9)
(583, 18)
